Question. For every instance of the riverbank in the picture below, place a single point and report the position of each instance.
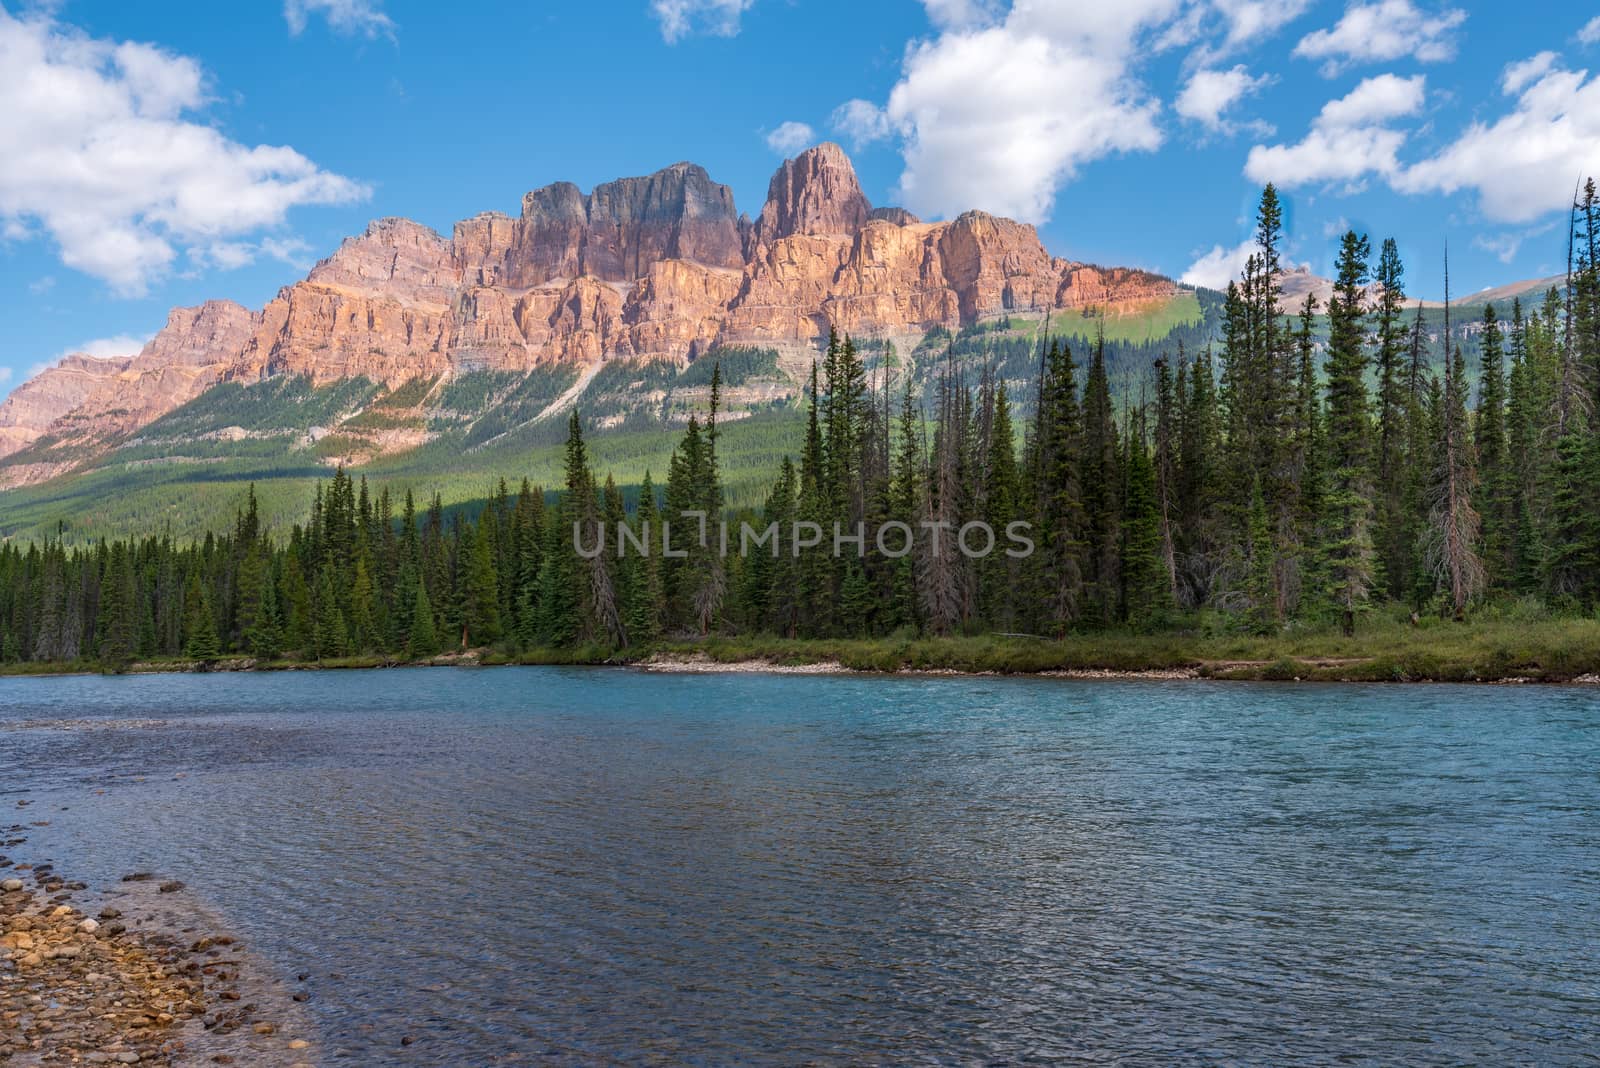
(140, 973)
(1384, 650)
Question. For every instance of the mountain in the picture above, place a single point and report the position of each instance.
(644, 270)
(1299, 281)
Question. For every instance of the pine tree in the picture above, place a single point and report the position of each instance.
(264, 636)
(423, 640)
(1391, 530)
(481, 604)
(200, 627)
(1452, 543)
(1348, 505)
(117, 605)
(1494, 498)
(1058, 462)
(1147, 587)
(1101, 480)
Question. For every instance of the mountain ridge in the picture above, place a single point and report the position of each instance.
(658, 267)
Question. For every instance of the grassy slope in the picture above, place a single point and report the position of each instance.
(182, 481)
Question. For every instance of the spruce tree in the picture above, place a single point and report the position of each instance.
(1147, 588)
(422, 640)
(1348, 506)
(200, 627)
(1494, 499)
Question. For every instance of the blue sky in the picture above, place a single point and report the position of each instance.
(158, 155)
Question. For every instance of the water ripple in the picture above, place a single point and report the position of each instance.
(586, 867)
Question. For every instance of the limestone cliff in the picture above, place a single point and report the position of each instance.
(33, 406)
(657, 267)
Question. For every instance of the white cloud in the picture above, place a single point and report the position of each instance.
(999, 116)
(680, 18)
(1505, 246)
(861, 122)
(1243, 23)
(5, 375)
(42, 285)
(1387, 96)
(100, 157)
(1210, 93)
(1590, 34)
(1524, 164)
(791, 137)
(1381, 32)
(1347, 140)
(101, 348)
(106, 348)
(1217, 268)
(348, 17)
(1519, 75)
(232, 255)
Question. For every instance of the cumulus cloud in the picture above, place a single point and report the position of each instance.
(101, 348)
(1348, 139)
(1215, 269)
(1524, 72)
(1210, 93)
(680, 18)
(1241, 22)
(999, 114)
(790, 137)
(351, 18)
(106, 348)
(1590, 34)
(1382, 32)
(1522, 165)
(102, 158)
(861, 122)
(5, 375)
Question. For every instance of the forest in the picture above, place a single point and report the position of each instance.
(1279, 479)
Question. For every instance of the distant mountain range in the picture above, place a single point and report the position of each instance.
(1297, 283)
(640, 270)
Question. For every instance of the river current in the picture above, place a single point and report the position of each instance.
(592, 866)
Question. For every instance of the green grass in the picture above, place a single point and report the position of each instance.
(1149, 323)
(198, 486)
(1500, 646)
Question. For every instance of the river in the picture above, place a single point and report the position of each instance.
(548, 865)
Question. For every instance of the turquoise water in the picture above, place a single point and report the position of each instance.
(601, 866)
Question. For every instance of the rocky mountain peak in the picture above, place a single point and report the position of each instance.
(814, 193)
(655, 267)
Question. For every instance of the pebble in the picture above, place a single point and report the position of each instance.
(75, 990)
(299, 1043)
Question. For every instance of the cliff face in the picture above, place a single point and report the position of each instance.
(33, 406)
(654, 267)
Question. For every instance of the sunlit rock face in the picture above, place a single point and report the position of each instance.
(655, 267)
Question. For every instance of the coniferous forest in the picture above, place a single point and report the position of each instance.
(1274, 480)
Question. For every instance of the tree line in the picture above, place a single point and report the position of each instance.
(1268, 479)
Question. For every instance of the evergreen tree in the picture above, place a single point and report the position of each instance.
(1348, 507)
(423, 640)
(1494, 499)
(1147, 588)
(200, 627)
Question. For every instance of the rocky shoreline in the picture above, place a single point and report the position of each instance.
(140, 973)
